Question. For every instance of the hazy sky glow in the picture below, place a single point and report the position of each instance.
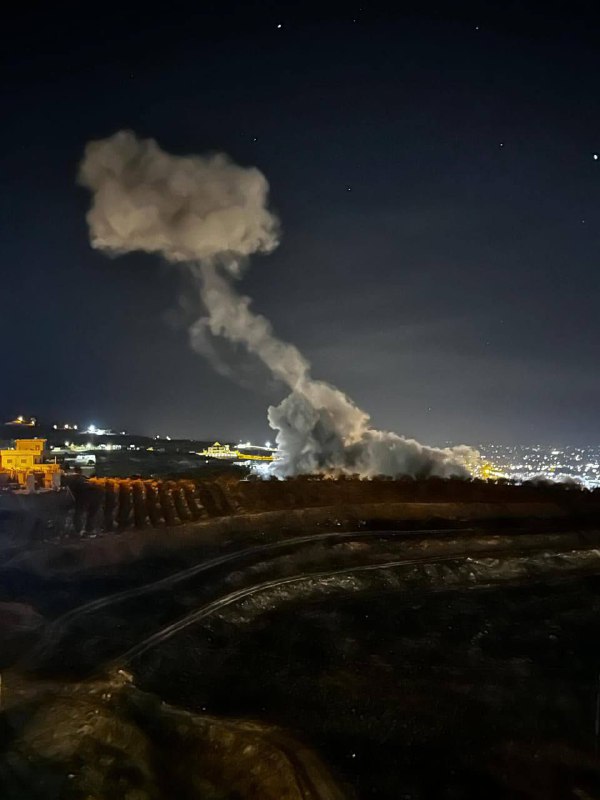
(439, 201)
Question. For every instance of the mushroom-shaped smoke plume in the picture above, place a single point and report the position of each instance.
(211, 214)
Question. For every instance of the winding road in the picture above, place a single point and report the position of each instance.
(54, 628)
(233, 597)
(55, 638)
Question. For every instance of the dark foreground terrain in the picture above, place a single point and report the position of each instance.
(415, 657)
(479, 693)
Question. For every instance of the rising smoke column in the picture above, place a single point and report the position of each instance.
(211, 214)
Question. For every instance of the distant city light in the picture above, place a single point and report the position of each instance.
(93, 429)
(533, 462)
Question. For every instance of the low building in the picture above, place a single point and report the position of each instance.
(22, 421)
(218, 450)
(254, 455)
(25, 464)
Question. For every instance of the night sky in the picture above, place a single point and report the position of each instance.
(435, 177)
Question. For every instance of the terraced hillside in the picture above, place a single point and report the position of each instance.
(118, 504)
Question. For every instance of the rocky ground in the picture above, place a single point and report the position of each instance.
(108, 740)
(453, 689)
(455, 664)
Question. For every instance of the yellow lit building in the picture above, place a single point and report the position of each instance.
(218, 450)
(254, 456)
(35, 446)
(20, 420)
(25, 464)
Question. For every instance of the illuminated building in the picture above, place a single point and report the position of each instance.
(255, 456)
(23, 421)
(218, 450)
(25, 464)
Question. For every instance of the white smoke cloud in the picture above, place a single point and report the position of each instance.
(188, 208)
(211, 214)
(321, 430)
(230, 316)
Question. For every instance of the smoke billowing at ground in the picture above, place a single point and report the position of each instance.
(211, 214)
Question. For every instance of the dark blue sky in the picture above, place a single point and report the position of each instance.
(439, 199)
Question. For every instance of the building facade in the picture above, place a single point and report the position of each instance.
(25, 464)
